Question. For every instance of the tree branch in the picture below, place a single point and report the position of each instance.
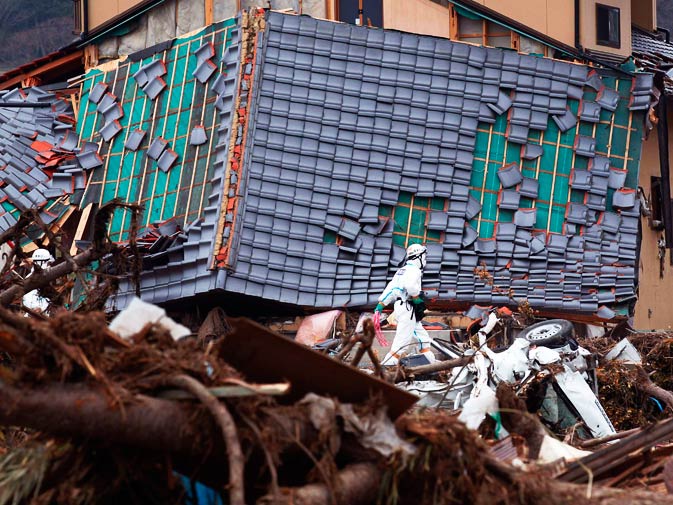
(229, 432)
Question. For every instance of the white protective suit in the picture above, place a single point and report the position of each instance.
(405, 285)
(33, 299)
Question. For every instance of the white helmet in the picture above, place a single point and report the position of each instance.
(417, 253)
(42, 257)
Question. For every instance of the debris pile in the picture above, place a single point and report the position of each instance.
(144, 410)
(623, 388)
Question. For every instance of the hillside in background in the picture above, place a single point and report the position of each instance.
(665, 14)
(33, 28)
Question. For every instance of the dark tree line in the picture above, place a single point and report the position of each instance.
(30, 29)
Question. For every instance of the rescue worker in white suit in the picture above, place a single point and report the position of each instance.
(404, 290)
(41, 260)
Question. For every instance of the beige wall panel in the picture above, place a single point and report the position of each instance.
(654, 307)
(136, 40)
(561, 21)
(315, 8)
(124, 5)
(644, 14)
(530, 13)
(555, 18)
(102, 11)
(161, 23)
(418, 16)
(588, 25)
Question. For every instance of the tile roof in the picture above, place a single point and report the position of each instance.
(328, 129)
(652, 52)
(41, 166)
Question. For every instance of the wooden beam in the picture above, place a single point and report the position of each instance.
(90, 56)
(208, 6)
(81, 226)
(52, 65)
(453, 22)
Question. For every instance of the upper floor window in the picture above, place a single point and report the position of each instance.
(607, 26)
(370, 12)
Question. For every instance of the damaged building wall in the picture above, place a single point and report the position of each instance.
(174, 18)
(655, 267)
(498, 175)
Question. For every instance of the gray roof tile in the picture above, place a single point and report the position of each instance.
(608, 99)
(525, 218)
(509, 199)
(332, 138)
(510, 175)
(134, 139)
(566, 121)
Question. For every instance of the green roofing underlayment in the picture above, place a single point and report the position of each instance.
(617, 137)
(185, 103)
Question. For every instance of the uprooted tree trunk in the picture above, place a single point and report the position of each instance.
(517, 420)
(160, 426)
(82, 412)
(45, 277)
(643, 382)
(356, 484)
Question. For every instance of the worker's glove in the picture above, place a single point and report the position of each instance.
(418, 304)
(379, 307)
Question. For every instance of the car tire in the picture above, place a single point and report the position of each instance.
(553, 332)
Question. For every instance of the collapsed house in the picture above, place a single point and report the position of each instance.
(297, 158)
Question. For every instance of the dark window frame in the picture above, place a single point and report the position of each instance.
(601, 30)
(656, 220)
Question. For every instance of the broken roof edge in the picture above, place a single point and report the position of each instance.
(113, 64)
(232, 207)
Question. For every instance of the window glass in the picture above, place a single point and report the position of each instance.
(372, 10)
(607, 26)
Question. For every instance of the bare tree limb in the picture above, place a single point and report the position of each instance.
(45, 277)
(642, 381)
(229, 432)
(406, 373)
(356, 484)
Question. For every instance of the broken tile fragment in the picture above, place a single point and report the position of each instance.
(97, 92)
(529, 187)
(106, 102)
(204, 71)
(89, 159)
(617, 178)
(157, 148)
(198, 136)
(509, 199)
(166, 160)
(154, 87)
(510, 175)
(608, 99)
(205, 52)
(525, 218)
(594, 81)
(566, 121)
(110, 129)
(624, 198)
(590, 112)
(531, 151)
(586, 146)
(134, 139)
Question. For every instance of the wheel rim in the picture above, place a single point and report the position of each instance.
(544, 332)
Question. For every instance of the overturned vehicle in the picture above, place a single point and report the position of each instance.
(543, 362)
